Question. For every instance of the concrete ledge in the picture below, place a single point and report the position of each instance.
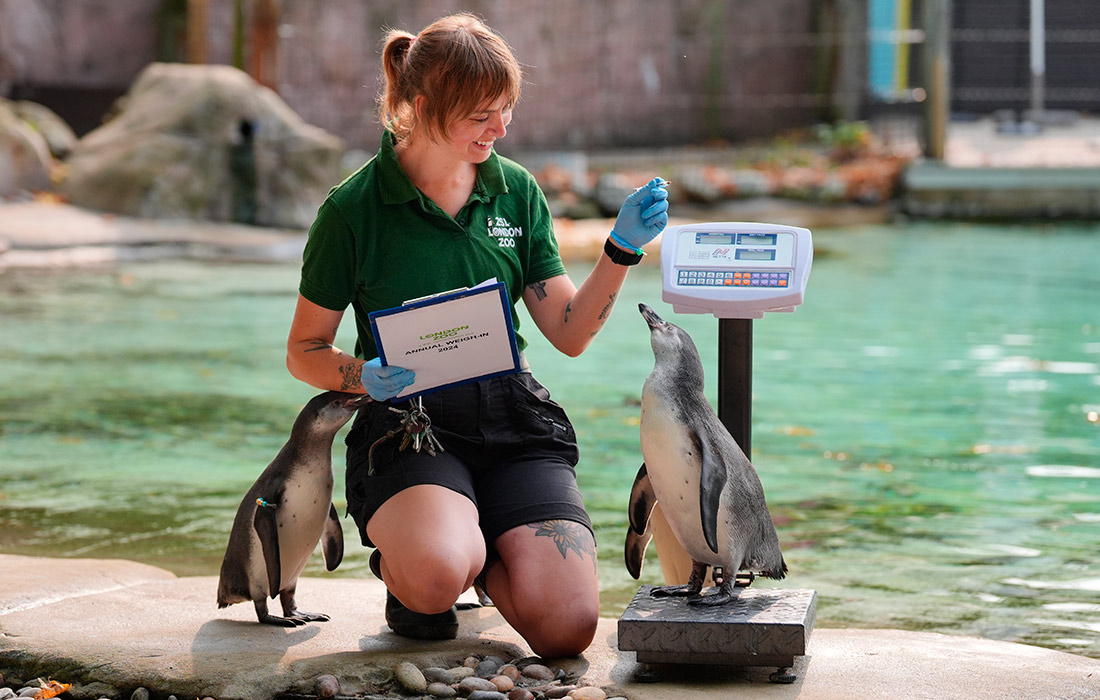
(939, 191)
(165, 633)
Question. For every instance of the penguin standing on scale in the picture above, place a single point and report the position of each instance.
(708, 490)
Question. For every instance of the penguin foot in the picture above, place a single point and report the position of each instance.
(308, 616)
(675, 591)
(280, 621)
(722, 594)
(719, 598)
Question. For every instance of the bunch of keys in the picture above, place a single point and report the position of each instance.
(418, 432)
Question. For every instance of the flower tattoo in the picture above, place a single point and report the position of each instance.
(567, 535)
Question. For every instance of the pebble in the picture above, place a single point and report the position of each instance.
(588, 693)
(488, 667)
(140, 694)
(521, 694)
(409, 677)
(471, 662)
(502, 683)
(460, 672)
(486, 695)
(511, 671)
(538, 672)
(560, 691)
(441, 690)
(435, 674)
(327, 686)
(469, 685)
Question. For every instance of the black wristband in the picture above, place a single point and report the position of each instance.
(620, 256)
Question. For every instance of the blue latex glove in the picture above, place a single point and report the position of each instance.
(385, 382)
(643, 215)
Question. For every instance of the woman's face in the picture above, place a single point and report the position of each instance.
(471, 136)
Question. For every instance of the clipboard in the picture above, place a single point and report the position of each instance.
(450, 338)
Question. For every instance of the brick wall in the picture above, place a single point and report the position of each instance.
(612, 73)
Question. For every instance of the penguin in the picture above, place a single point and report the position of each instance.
(285, 513)
(707, 489)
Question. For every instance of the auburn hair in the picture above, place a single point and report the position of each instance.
(457, 63)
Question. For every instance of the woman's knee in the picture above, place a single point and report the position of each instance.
(432, 581)
(563, 633)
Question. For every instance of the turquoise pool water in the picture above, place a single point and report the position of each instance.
(925, 425)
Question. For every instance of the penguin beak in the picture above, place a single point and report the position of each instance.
(358, 401)
(651, 318)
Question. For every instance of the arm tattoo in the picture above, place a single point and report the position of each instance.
(352, 376)
(568, 308)
(607, 309)
(539, 288)
(319, 345)
(567, 535)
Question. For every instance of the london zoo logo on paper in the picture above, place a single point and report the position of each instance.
(444, 340)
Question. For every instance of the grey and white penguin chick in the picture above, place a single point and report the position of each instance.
(285, 513)
(708, 490)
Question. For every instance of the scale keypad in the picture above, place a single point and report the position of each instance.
(710, 278)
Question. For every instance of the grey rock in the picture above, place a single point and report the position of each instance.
(488, 667)
(538, 672)
(434, 674)
(6, 693)
(140, 694)
(409, 677)
(441, 690)
(24, 157)
(468, 685)
(487, 695)
(327, 686)
(58, 135)
(27, 692)
(460, 672)
(204, 142)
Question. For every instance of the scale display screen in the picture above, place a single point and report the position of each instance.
(756, 239)
(734, 269)
(714, 238)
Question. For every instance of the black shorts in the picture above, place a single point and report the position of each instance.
(507, 447)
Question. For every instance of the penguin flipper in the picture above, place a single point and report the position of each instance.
(267, 529)
(642, 501)
(712, 479)
(332, 540)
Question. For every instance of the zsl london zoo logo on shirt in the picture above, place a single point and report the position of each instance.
(505, 233)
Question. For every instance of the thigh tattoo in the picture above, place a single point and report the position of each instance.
(567, 535)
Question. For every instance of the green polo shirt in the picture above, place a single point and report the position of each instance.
(378, 241)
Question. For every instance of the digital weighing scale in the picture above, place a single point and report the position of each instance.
(735, 270)
(738, 272)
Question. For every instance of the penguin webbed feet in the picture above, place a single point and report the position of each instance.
(681, 591)
(292, 617)
(691, 588)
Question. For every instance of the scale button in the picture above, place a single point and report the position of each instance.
(728, 281)
(782, 283)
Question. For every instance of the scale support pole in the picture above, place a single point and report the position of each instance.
(735, 379)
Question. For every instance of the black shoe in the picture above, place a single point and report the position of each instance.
(414, 625)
